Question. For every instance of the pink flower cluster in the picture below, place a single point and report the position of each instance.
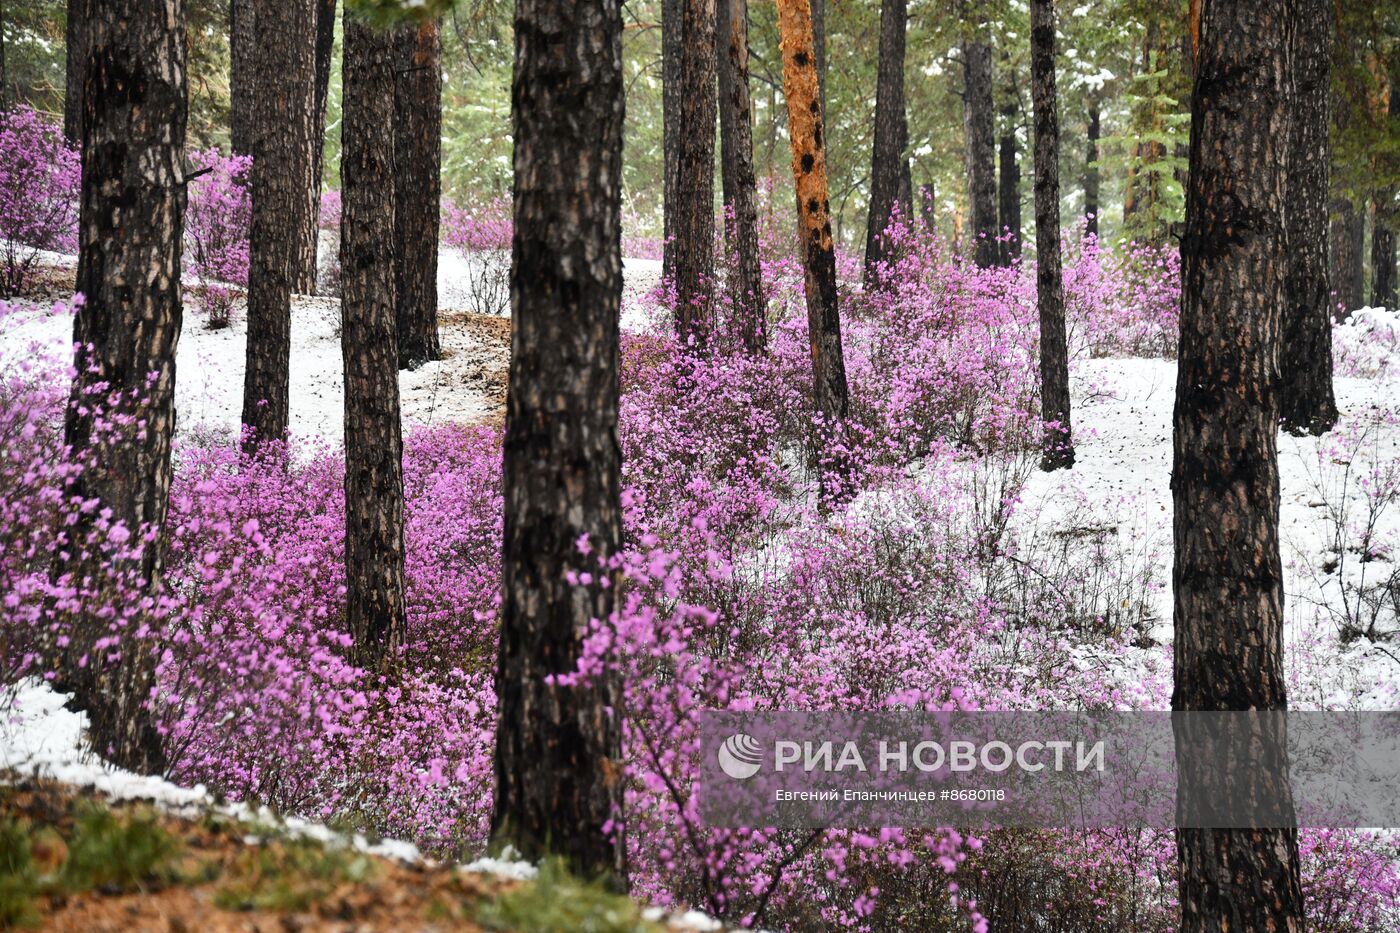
(217, 218)
(480, 228)
(329, 218)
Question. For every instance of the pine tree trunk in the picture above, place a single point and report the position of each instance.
(1348, 241)
(1227, 578)
(374, 601)
(1008, 200)
(417, 189)
(558, 775)
(307, 265)
(242, 87)
(695, 174)
(283, 116)
(818, 8)
(1383, 286)
(889, 164)
(1383, 290)
(1058, 448)
(325, 52)
(4, 95)
(905, 194)
(737, 174)
(1306, 404)
(1383, 223)
(672, 93)
(831, 397)
(130, 230)
(1091, 173)
(980, 148)
(74, 32)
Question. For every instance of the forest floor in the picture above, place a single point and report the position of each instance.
(467, 386)
(1339, 528)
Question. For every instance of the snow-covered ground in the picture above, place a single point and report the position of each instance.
(465, 387)
(458, 270)
(1122, 475)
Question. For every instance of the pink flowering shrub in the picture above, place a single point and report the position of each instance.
(217, 219)
(480, 227)
(39, 191)
(329, 217)
(1366, 345)
(69, 568)
(482, 235)
(637, 244)
(1350, 879)
(943, 352)
(328, 251)
(33, 474)
(1122, 302)
(259, 552)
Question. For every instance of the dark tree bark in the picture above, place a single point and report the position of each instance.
(695, 174)
(1383, 223)
(558, 778)
(889, 163)
(4, 95)
(325, 51)
(242, 85)
(1306, 404)
(980, 147)
(1227, 578)
(1348, 240)
(283, 117)
(1009, 199)
(906, 183)
(374, 601)
(831, 397)
(1091, 173)
(75, 38)
(417, 189)
(1383, 288)
(672, 93)
(304, 282)
(1058, 447)
(737, 173)
(130, 230)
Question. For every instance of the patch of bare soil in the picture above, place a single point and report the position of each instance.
(476, 348)
(48, 284)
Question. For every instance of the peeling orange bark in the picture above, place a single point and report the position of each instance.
(804, 119)
(806, 132)
(1194, 13)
